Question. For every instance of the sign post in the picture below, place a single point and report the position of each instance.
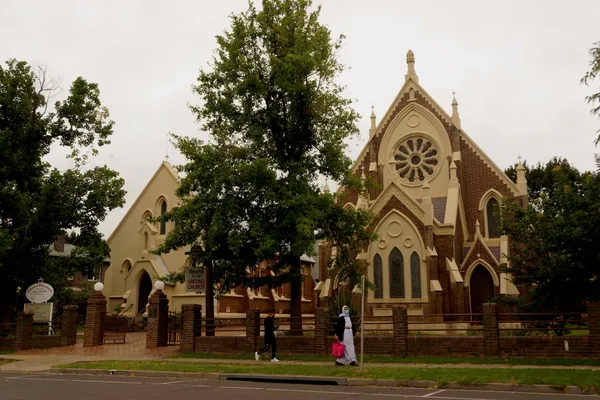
(39, 294)
(362, 321)
(195, 281)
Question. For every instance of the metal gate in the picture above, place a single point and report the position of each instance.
(174, 328)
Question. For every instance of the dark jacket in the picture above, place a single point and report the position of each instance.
(340, 328)
(270, 327)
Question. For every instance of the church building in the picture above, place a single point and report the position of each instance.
(439, 247)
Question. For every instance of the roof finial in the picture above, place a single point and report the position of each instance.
(477, 228)
(520, 158)
(373, 122)
(326, 190)
(167, 155)
(410, 61)
(455, 116)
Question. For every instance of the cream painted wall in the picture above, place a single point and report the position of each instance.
(127, 241)
(416, 121)
(396, 230)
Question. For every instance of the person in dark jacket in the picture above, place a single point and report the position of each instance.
(344, 332)
(270, 341)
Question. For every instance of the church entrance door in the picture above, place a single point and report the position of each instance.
(481, 289)
(145, 287)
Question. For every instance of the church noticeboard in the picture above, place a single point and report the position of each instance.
(195, 281)
(41, 312)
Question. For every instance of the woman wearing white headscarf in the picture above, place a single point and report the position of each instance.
(345, 334)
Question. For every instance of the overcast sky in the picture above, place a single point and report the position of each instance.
(515, 66)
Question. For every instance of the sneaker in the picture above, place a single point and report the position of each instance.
(275, 360)
(256, 356)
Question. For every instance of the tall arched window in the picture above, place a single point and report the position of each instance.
(415, 275)
(378, 276)
(163, 224)
(396, 265)
(493, 215)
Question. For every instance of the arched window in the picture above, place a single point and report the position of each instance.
(415, 275)
(396, 265)
(378, 276)
(126, 266)
(145, 240)
(493, 215)
(163, 224)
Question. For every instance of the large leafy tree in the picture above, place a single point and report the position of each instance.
(38, 202)
(554, 253)
(277, 121)
(591, 75)
(541, 177)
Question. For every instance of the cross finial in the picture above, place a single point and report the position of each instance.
(453, 93)
(167, 155)
(520, 158)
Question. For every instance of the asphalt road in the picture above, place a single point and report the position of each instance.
(68, 387)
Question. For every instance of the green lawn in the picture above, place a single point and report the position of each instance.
(409, 360)
(443, 376)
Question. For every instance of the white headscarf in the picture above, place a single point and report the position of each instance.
(342, 314)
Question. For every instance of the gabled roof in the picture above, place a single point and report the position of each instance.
(412, 83)
(163, 166)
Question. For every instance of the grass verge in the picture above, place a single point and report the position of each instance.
(559, 378)
(408, 360)
(4, 361)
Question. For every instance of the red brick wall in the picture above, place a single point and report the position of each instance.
(42, 342)
(222, 344)
(7, 344)
(536, 346)
(445, 345)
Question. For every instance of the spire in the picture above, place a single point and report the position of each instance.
(453, 175)
(326, 190)
(477, 228)
(455, 116)
(410, 61)
(521, 178)
(373, 123)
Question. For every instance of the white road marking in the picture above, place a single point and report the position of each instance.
(240, 387)
(72, 380)
(434, 393)
(171, 383)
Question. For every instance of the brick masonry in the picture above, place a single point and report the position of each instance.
(158, 320)
(402, 343)
(94, 320)
(192, 326)
(24, 333)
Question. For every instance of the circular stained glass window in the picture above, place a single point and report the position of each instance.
(417, 159)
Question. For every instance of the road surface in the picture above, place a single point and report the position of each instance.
(68, 387)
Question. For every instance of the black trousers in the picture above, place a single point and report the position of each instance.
(270, 343)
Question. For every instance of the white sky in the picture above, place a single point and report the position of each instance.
(515, 66)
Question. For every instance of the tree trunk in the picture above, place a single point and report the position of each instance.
(210, 304)
(296, 306)
(7, 302)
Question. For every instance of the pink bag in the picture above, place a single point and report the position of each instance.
(338, 349)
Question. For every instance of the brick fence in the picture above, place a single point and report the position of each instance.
(23, 336)
(401, 341)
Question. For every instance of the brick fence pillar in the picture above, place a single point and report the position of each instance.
(253, 328)
(321, 329)
(400, 338)
(191, 327)
(68, 332)
(593, 311)
(94, 320)
(158, 320)
(491, 341)
(24, 333)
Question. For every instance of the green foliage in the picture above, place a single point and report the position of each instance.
(554, 249)
(278, 121)
(38, 202)
(591, 75)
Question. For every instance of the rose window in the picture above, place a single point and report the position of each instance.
(417, 159)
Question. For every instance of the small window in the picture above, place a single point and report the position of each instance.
(396, 265)
(145, 240)
(378, 275)
(493, 215)
(126, 266)
(147, 215)
(415, 275)
(163, 224)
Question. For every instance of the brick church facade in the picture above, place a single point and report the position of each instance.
(439, 247)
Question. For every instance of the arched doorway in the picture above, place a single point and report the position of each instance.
(481, 288)
(145, 287)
